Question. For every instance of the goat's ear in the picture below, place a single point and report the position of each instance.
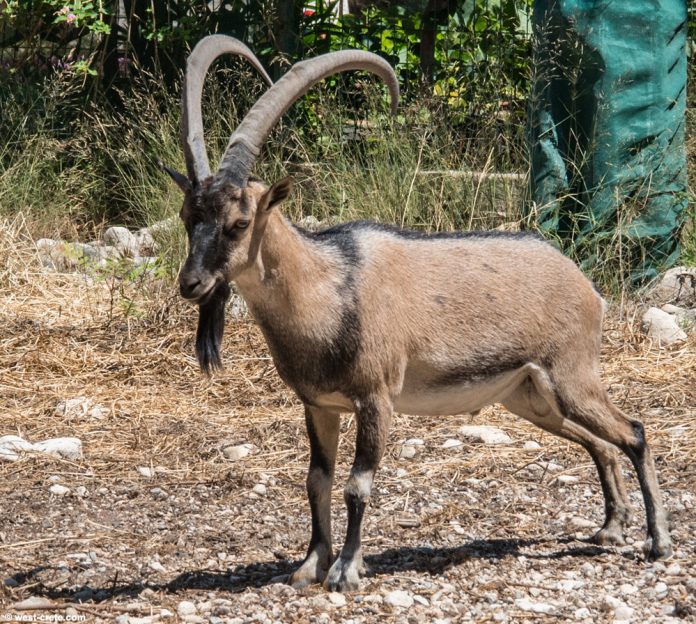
(275, 195)
(181, 180)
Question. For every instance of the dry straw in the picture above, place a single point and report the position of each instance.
(68, 335)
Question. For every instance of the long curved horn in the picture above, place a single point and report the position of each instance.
(206, 51)
(246, 141)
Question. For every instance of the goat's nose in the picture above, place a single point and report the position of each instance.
(188, 285)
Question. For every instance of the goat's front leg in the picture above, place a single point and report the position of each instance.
(373, 417)
(322, 429)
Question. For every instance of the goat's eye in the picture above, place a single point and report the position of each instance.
(241, 224)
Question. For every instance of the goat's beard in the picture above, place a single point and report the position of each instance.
(211, 325)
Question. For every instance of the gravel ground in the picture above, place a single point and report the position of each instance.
(157, 523)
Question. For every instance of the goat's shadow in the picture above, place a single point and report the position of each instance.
(394, 560)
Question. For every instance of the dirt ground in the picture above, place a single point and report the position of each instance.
(475, 532)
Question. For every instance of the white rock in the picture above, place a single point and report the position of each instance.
(399, 598)
(662, 327)
(166, 613)
(581, 613)
(81, 491)
(676, 286)
(11, 446)
(145, 242)
(414, 442)
(660, 588)
(58, 490)
(451, 443)
(627, 589)
(45, 244)
(185, 608)
(623, 613)
(485, 434)
(407, 452)
(401, 473)
(568, 479)
(421, 600)
(123, 240)
(157, 566)
(536, 607)
(531, 445)
(673, 569)
(35, 602)
(611, 603)
(97, 412)
(235, 453)
(587, 569)
(69, 448)
(71, 408)
(336, 599)
(581, 523)
(146, 471)
(259, 489)
(148, 619)
(672, 309)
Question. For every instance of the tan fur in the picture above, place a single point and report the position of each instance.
(428, 326)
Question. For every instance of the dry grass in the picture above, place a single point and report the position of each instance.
(66, 335)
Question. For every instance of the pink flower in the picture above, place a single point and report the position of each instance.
(70, 18)
(65, 10)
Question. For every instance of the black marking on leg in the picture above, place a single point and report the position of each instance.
(356, 510)
(639, 432)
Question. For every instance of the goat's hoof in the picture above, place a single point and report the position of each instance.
(608, 536)
(310, 572)
(655, 551)
(343, 576)
(299, 579)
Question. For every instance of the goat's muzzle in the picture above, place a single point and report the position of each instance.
(197, 285)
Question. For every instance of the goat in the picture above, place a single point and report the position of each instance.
(368, 318)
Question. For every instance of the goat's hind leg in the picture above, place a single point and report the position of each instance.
(534, 401)
(587, 403)
(322, 429)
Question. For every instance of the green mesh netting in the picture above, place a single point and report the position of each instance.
(606, 129)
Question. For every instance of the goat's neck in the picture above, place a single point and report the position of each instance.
(290, 275)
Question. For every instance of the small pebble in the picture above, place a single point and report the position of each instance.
(623, 613)
(399, 598)
(259, 489)
(568, 479)
(535, 607)
(414, 442)
(336, 599)
(451, 443)
(660, 588)
(58, 489)
(673, 569)
(407, 452)
(185, 608)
